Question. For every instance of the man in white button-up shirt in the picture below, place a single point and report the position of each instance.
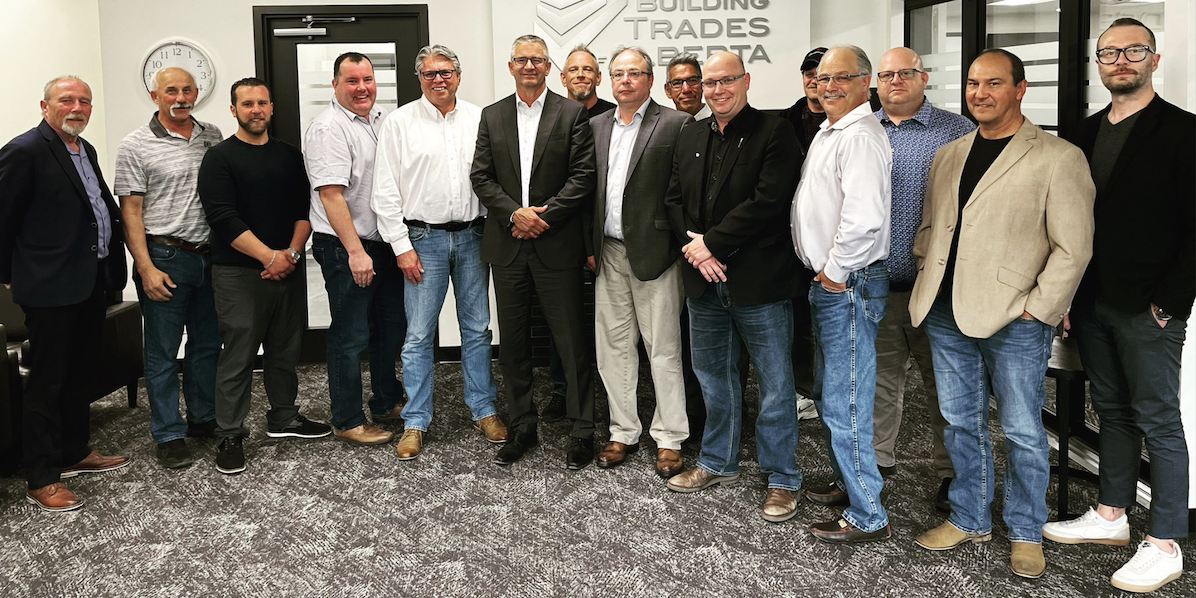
(841, 231)
(365, 292)
(429, 214)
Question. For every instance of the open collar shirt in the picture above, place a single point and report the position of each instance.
(528, 118)
(622, 141)
(339, 149)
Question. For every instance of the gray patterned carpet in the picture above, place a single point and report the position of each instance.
(322, 518)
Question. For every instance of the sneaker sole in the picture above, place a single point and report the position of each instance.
(232, 471)
(972, 539)
(1129, 587)
(74, 472)
(296, 435)
(70, 508)
(1105, 541)
(724, 481)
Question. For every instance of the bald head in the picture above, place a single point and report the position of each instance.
(171, 75)
(728, 96)
(901, 83)
(175, 96)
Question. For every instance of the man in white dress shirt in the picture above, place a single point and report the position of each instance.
(429, 214)
(841, 231)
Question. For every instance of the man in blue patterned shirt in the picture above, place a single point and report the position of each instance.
(916, 130)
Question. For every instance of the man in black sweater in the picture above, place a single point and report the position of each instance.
(254, 191)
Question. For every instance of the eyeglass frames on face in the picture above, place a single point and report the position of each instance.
(905, 74)
(431, 75)
(535, 60)
(620, 75)
(838, 79)
(1133, 54)
(725, 81)
(676, 84)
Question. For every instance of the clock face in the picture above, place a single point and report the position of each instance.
(185, 55)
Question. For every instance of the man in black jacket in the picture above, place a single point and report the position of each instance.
(1130, 313)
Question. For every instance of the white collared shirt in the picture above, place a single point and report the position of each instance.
(338, 149)
(529, 124)
(423, 167)
(618, 163)
(840, 214)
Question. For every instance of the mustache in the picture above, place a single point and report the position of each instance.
(182, 106)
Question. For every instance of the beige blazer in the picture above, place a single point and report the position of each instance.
(1026, 236)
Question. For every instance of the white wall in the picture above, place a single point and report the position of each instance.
(874, 25)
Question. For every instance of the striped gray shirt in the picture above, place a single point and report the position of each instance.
(163, 167)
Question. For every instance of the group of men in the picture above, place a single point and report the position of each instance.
(827, 247)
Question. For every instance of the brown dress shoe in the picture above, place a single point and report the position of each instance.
(699, 479)
(842, 532)
(95, 463)
(395, 415)
(365, 434)
(55, 497)
(828, 495)
(615, 453)
(410, 444)
(668, 463)
(493, 428)
(779, 505)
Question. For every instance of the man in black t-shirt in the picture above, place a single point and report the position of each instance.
(1006, 234)
(254, 191)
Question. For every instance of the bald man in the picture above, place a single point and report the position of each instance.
(157, 169)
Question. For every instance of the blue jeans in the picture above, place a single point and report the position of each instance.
(362, 318)
(1016, 358)
(446, 255)
(845, 325)
(190, 307)
(717, 324)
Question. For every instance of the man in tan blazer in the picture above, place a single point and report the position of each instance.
(1006, 235)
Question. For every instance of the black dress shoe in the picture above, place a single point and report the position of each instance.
(842, 532)
(941, 502)
(828, 495)
(515, 448)
(554, 410)
(580, 453)
(887, 471)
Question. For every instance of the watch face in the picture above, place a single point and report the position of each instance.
(185, 55)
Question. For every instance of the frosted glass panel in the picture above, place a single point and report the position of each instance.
(936, 35)
(1030, 30)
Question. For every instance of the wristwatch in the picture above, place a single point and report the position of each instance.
(295, 255)
(1161, 315)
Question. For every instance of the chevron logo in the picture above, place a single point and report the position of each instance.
(565, 23)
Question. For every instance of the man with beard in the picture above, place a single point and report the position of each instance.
(61, 250)
(581, 78)
(255, 195)
(1130, 313)
(156, 171)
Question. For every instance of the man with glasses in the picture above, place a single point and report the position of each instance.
(533, 169)
(732, 181)
(684, 85)
(365, 292)
(637, 289)
(916, 130)
(840, 219)
(429, 214)
(1130, 313)
(1005, 236)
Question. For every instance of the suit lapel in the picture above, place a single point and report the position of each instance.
(701, 146)
(552, 107)
(58, 149)
(1021, 143)
(651, 119)
(727, 163)
(510, 129)
(602, 135)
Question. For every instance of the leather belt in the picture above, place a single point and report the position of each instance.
(178, 243)
(447, 226)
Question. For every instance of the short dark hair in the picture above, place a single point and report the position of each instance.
(1131, 22)
(684, 58)
(246, 82)
(354, 57)
(1015, 63)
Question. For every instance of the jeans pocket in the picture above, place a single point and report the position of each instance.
(874, 308)
(478, 231)
(416, 233)
(161, 253)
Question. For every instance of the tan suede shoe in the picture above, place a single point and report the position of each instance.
(410, 444)
(55, 497)
(1026, 559)
(493, 428)
(365, 434)
(947, 536)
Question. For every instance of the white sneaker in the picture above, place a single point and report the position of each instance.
(1089, 528)
(1149, 570)
(806, 408)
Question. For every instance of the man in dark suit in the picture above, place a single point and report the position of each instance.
(732, 183)
(1130, 313)
(637, 290)
(534, 171)
(61, 249)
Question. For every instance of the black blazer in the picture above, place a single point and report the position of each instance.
(746, 225)
(651, 246)
(48, 231)
(562, 178)
(1144, 250)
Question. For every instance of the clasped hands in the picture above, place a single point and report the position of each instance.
(279, 266)
(527, 224)
(699, 256)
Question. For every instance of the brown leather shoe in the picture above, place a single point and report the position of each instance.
(395, 415)
(615, 453)
(493, 428)
(365, 434)
(95, 463)
(55, 497)
(827, 495)
(668, 463)
(410, 445)
(779, 505)
(842, 532)
(698, 479)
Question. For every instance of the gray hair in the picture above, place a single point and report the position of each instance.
(685, 58)
(638, 50)
(436, 50)
(863, 65)
(581, 48)
(50, 85)
(529, 39)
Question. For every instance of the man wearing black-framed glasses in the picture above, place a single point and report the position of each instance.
(683, 85)
(1129, 315)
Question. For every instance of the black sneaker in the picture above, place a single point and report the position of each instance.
(554, 410)
(204, 430)
(230, 456)
(302, 428)
(174, 454)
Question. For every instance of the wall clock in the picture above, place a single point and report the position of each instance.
(183, 54)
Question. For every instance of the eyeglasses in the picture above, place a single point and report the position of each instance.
(676, 84)
(535, 60)
(725, 81)
(838, 79)
(906, 74)
(431, 75)
(1132, 54)
(620, 75)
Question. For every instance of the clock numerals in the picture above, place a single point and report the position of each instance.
(184, 55)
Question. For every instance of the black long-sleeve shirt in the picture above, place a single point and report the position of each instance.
(257, 188)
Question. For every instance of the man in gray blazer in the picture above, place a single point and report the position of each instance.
(637, 291)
